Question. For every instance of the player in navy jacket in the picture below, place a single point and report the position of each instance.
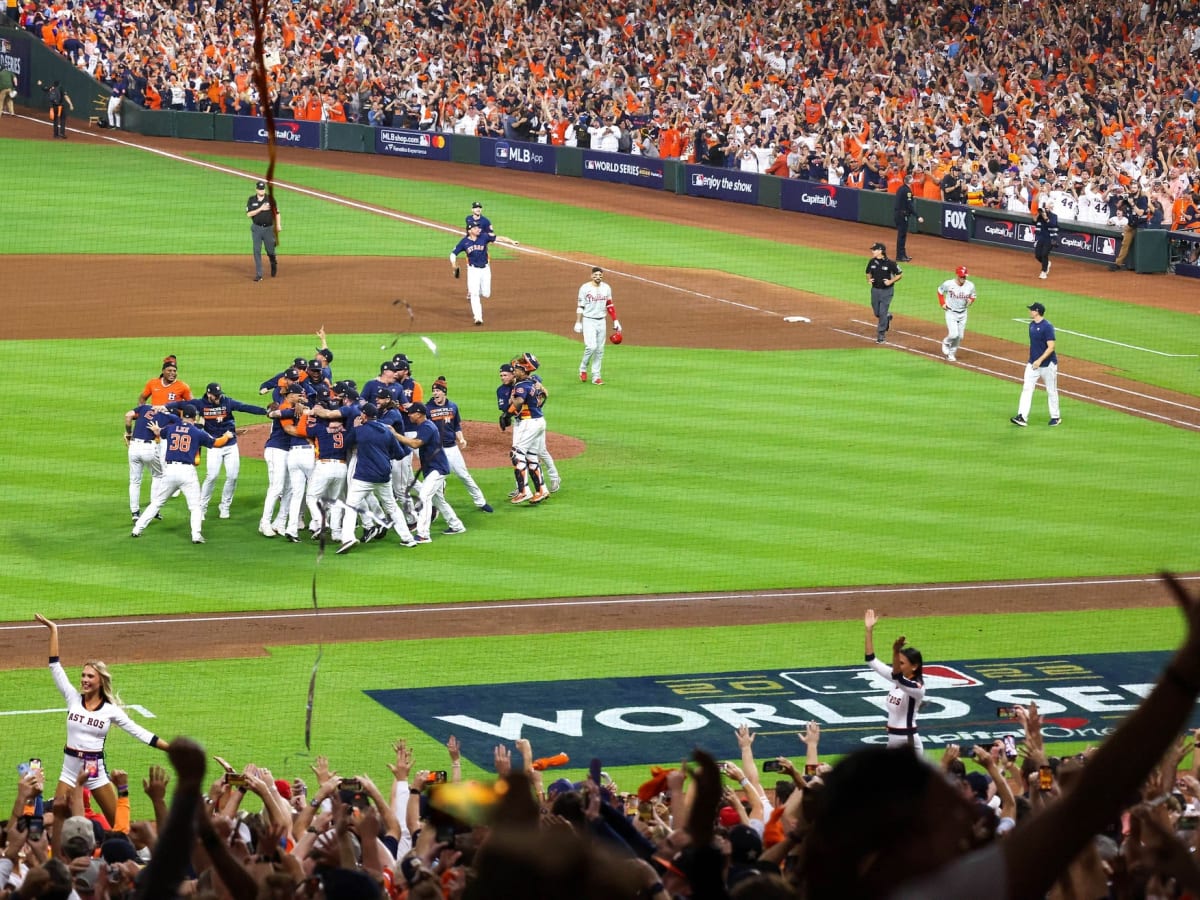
(216, 417)
(376, 445)
(434, 469)
(444, 413)
(143, 452)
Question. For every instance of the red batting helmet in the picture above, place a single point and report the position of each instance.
(961, 271)
(616, 337)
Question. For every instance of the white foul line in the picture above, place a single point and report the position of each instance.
(603, 601)
(1092, 337)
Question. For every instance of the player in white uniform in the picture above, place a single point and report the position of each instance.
(594, 303)
(908, 688)
(955, 296)
(91, 711)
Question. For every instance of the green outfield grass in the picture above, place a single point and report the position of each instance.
(254, 709)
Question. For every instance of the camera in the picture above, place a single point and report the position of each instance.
(810, 769)
(438, 777)
(772, 765)
(350, 784)
(233, 779)
(1010, 746)
(1045, 778)
(1005, 712)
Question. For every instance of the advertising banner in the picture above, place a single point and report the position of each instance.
(1077, 244)
(818, 199)
(517, 155)
(623, 169)
(250, 130)
(642, 720)
(956, 222)
(14, 56)
(722, 184)
(425, 144)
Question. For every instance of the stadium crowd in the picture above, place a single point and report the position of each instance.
(1001, 821)
(994, 104)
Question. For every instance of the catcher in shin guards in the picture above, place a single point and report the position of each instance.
(529, 431)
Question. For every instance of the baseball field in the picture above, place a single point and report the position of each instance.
(734, 496)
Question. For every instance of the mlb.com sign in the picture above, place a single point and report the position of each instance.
(632, 721)
(400, 142)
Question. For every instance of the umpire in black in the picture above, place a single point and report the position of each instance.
(59, 100)
(264, 224)
(882, 273)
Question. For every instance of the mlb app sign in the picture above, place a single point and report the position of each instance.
(635, 721)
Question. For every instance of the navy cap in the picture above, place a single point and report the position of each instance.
(1037, 308)
(418, 408)
(369, 410)
(187, 411)
(476, 205)
(213, 388)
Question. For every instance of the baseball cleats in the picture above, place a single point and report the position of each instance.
(461, 529)
(198, 539)
(487, 507)
(274, 267)
(421, 539)
(265, 529)
(950, 357)
(347, 546)
(522, 496)
(1055, 422)
(879, 340)
(541, 495)
(135, 514)
(135, 534)
(1019, 419)
(597, 380)
(224, 514)
(292, 538)
(479, 321)
(583, 376)
(555, 484)
(411, 542)
(258, 278)
(1041, 274)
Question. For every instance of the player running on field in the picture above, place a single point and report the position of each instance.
(955, 295)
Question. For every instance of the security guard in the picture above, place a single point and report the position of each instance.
(882, 273)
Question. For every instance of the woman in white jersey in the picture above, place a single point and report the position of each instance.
(908, 687)
(90, 712)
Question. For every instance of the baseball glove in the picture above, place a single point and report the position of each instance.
(456, 272)
(505, 421)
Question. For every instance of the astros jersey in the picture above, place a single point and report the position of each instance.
(595, 300)
(218, 417)
(484, 223)
(904, 699)
(526, 393)
(476, 250)
(433, 458)
(956, 297)
(447, 420)
(87, 728)
(141, 422)
(327, 437)
(184, 442)
(158, 393)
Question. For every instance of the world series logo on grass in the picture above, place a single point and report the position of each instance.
(643, 720)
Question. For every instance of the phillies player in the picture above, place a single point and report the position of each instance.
(216, 413)
(594, 303)
(167, 387)
(183, 441)
(908, 686)
(443, 412)
(955, 295)
(479, 269)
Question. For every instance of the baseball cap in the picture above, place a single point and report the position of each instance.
(213, 388)
(418, 408)
(506, 367)
(962, 271)
(79, 829)
(476, 205)
(388, 366)
(1037, 308)
(260, 185)
(316, 364)
(878, 246)
(292, 374)
(118, 849)
(300, 362)
(369, 410)
(187, 411)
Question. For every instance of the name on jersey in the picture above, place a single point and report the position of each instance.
(642, 720)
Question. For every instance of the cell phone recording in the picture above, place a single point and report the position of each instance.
(772, 765)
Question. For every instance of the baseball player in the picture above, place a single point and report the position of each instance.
(479, 269)
(376, 446)
(443, 412)
(327, 486)
(167, 387)
(503, 396)
(549, 469)
(593, 304)
(529, 431)
(1043, 364)
(955, 295)
(476, 218)
(275, 455)
(908, 686)
(434, 469)
(263, 213)
(183, 441)
(301, 459)
(143, 452)
(216, 412)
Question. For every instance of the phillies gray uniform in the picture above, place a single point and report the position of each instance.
(594, 303)
(956, 295)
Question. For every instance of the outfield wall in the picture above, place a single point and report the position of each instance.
(1154, 251)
